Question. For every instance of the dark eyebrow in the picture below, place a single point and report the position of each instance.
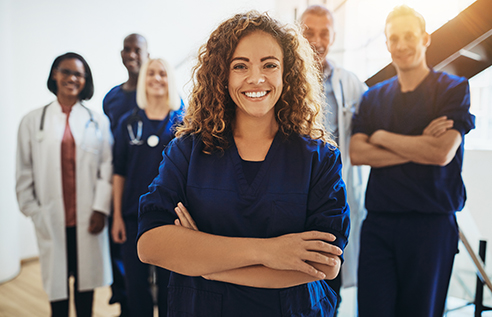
(269, 57)
(240, 58)
(247, 59)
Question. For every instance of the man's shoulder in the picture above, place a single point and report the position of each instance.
(382, 87)
(118, 98)
(113, 91)
(448, 79)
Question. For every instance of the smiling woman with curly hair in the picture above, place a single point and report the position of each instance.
(212, 111)
(249, 209)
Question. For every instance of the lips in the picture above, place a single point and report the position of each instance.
(70, 86)
(255, 94)
(319, 50)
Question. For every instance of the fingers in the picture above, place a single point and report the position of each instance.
(96, 228)
(318, 235)
(185, 218)
(93, 226)
(96, 222)
(322, 246)
(300, 252)
(119, 237)
(123, 235)
(118, 232)
(438, 126)
(311, 270)
(322, 258)
(182, 220)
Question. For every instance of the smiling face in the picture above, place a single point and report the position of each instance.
(134, 53)
(255, 75)
(70, 78)
(407, 43)
(320, 32)
(156, 81)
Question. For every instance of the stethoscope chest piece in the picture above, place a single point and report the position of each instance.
(153, 140)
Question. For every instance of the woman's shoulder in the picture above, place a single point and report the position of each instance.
(185, 143)
(312, 145)
(35, 114)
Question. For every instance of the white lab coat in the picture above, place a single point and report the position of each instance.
(40, 195)
(348, 90)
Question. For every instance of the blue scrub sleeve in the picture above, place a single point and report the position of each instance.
(328, 210)
(360, 119)
(120, 148)
(456, 106)
(156, 208)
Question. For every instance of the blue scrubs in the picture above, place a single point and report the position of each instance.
(139, 165)
(410, 236)
(297, 188)
(117, 102)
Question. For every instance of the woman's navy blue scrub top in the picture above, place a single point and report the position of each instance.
(298, 188)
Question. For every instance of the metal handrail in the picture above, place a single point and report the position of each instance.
(479, 265)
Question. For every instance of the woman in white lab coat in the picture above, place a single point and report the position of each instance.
(64, 184)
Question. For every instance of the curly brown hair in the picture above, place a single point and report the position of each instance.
(211, 111)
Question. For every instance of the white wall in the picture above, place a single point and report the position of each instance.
(9, 246)
(477, 175)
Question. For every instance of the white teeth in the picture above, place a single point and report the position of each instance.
(256, 94)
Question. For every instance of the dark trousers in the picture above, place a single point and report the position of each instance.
(405, 264)
(139, 295)
(83, 300)
(118, 291)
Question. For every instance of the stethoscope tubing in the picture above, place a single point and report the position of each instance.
(152, 140)
(43, 115)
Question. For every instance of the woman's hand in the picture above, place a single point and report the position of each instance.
(97, 222)
(287, 252)
(293, 251)
(118, 231)
(184, 218)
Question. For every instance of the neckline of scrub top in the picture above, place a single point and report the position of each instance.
(246, 189)
(155, 124)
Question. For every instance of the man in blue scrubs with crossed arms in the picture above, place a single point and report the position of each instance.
(410, 130)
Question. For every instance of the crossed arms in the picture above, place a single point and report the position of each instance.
(280, 262)
(437, 145)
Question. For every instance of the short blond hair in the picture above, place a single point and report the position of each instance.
(404, 10)
(174, 101)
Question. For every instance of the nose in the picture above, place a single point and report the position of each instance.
(401, 45)
(315, 40)
(72, 78)
(133, 54)
(256, 76)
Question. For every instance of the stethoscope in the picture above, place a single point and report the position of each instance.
(152, 140)
(40, 133)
